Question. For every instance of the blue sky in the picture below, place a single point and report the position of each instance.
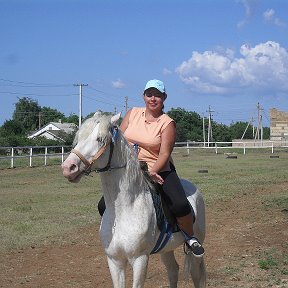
(226, 54)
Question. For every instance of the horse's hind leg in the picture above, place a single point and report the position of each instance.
(196, 268)
(172, 267)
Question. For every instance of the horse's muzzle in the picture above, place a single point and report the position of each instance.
(71, 170)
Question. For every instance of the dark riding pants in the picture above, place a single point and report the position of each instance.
(174, 194)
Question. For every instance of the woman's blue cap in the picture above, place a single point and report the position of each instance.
(159, 85)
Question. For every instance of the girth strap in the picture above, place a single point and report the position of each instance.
(160, 244)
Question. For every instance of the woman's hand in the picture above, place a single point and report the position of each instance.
(156, 177)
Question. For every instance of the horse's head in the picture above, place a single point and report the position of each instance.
(91, 146)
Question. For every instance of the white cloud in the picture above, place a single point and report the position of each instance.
(248, 12)
(270, 16)
(118, 84)
(263, 68)
(167, 71)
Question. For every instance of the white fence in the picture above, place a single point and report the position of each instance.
(31, 153)
(216, 146)
(44, 153)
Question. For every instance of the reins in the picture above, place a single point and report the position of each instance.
(88, 164)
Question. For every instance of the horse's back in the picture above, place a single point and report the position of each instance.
(189, 187)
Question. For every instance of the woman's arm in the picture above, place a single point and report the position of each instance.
(167, 143)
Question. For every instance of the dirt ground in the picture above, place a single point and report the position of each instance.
(240, 232)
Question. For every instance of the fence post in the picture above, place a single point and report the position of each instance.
(12, 157)
(62, 154)
(45, 157)
(272, 148)
(30, 157)
(244, 148)
(216, 148)
(187, 145)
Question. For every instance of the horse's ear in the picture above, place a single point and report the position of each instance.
(98, 113)
(115, 118)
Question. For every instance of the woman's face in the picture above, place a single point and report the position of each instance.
(153, 99)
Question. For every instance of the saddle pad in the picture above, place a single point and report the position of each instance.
(160, 215)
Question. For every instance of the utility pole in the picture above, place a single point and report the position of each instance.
(250, 123)
(204, 138)
(80, 101)
(210, 137)
(259, 131)
(126, 103)
(39, 120)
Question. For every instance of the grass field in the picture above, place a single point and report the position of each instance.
(38, 205)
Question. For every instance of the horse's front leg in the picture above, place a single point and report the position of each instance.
(117, 270)
(139, 266)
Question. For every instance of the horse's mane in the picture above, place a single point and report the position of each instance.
(88, 126)
(124, 151)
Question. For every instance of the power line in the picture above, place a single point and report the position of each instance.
(34, 84)
(105, 98)
(97, 100)
(43, 113)
(113, 95)
(38, 95)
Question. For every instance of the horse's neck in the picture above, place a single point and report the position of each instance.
(121, 187)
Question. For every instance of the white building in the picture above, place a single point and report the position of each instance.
(54, 131)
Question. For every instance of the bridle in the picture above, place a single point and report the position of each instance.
(88, 164)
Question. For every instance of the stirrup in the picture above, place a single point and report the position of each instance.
(196, 249)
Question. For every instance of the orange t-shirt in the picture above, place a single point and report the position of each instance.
(147, 135)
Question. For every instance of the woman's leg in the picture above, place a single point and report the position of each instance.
(186, 224)
(175, 197)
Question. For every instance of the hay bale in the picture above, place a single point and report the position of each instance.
(203, 171)
(231, 157)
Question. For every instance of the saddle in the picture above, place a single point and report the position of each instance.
(163, 214)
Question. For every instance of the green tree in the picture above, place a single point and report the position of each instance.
(72, 118)
(12, 127)
(221, 132)
(15, 140)
(266, 133)
(12, 133)
(27, 112)
(188, 124)
(237, 130)
(42, 141)
(50, 115)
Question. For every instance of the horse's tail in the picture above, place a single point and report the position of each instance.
(195, 267)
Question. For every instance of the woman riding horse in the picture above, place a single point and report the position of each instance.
(129, 228)
(153, 132)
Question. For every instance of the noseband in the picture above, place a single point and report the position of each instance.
(88, 164)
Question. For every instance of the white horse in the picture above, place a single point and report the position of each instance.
(129, 227)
